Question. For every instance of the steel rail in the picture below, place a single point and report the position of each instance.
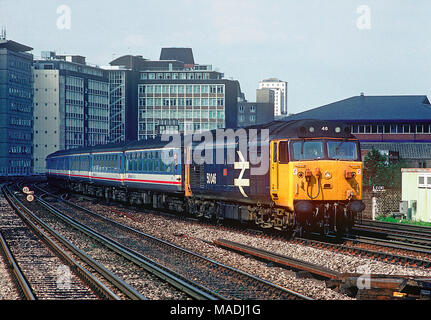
(278, 259)
(192, 289)
(174, 247)
(84, 274)
(23, 284)
(121, 285)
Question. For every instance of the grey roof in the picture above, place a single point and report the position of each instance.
(407, 150)
(14, 46)
(181, 54)
(372, 108)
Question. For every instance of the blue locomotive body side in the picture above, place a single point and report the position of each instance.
(231, 180)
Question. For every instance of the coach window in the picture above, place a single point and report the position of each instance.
(129, 162)
(140, 162)
(156, 161)
(274, 152)
(283, 151)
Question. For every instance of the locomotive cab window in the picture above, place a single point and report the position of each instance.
(283, 152)
(308, 150)
(342, 150)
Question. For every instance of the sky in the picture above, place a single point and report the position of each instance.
(327, 50)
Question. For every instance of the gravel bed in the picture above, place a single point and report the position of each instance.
(189, 235)
(8, 290)
(147, 284)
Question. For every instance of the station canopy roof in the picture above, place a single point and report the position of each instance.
(372, 108)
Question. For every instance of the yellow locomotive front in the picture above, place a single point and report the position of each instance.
(318, 180)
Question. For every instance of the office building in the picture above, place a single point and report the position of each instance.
(279, 88)
(176, 95)
(71, 105)
(259, 112)
(16, 108)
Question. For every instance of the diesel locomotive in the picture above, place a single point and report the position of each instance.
(294, 176)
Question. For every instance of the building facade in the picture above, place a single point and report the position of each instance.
(16, 109)
(71, 105)
(175, 95)
(259, 112)
(279, 88)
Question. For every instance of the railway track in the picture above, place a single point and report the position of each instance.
(209, 275)
(414, 235)
(379, 286)
(42, 269)
(392, 251)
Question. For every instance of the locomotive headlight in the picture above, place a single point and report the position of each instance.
(337, 129)
(328, 175)
(311, 129)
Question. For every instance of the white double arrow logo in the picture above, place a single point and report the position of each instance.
(240, 182)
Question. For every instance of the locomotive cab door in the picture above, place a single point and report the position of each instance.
(274, 170)
(280, 173)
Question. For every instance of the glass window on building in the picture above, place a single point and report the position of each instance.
(204, 102)
(189, 89)
(150, 102)
(196, 102)
(196, 89)
(159, 76)
(220, 89)
(158, 89)
(158, 102)
(175, 76)
(141, 90)
(213, 114)
(181, 102)
(204, 114)
(182, 76)
(151, 76)
(149, 89)
(189, 102)
(144, 76)
(213, 89)
(205, 89)
(181, 89)
(165, 89)
(196, 114)
(173, 89)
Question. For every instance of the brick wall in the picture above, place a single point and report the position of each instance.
(387, 201)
